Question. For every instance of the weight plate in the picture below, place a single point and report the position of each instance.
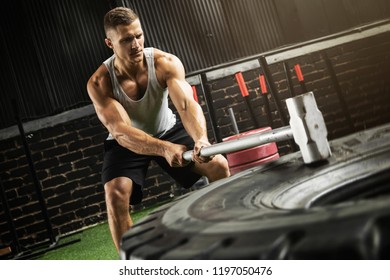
(244, 166)
(252, 155)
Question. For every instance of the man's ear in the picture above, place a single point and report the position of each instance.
(108, 43)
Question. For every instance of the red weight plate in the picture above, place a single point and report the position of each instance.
(252, 154)
(242, 167)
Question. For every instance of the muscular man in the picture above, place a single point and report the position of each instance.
(130, 94)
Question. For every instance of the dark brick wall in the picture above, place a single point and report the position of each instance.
(68, 157)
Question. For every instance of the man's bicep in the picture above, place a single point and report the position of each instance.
(180, 93)
(112, 114)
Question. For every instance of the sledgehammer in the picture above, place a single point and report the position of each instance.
(307, 128)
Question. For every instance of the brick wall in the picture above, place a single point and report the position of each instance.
(68, 157)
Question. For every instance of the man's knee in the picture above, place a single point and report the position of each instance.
(220, 168)
(118, 191)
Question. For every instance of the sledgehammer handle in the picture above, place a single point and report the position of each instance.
(245, 142)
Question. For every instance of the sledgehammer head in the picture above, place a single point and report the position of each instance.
(308, 128)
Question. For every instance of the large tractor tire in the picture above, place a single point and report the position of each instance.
(337, 209)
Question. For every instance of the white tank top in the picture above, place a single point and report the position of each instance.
(151, 113)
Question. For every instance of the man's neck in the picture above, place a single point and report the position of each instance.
(129, 69)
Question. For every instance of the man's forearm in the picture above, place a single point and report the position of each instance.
(139, 142)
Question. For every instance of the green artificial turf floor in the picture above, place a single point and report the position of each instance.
(95, 243)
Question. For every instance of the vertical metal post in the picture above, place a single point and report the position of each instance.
(245, 94)
(34, 175)
(10, 221)
(264, 93)
(337, 87)
(233, 121)
(288, 79)
(251, 112)
(271, 86)
(268, 110)
(210, 108)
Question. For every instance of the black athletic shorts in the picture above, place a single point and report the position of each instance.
(121, 162)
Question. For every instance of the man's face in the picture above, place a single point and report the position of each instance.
(127, 42)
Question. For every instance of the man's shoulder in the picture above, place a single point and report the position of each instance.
(164, 59)
(100, 79)
(158, 54)
(101, 73)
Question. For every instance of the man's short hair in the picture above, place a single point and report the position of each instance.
(118, 16)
